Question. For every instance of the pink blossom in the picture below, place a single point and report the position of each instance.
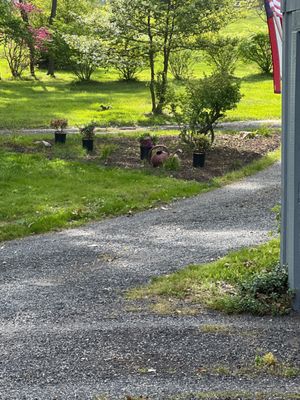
(25, 7)
(41, 36)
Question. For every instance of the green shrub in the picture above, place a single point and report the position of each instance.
(181, 64)
(173, 163)
(258, 49)
(107, 150)
(223, 53)
(264, 293)
(205, 102)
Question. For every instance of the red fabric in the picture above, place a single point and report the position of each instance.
(275, 56)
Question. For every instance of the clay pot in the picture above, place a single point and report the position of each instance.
(158, 155)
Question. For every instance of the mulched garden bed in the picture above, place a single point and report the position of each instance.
(230, 152)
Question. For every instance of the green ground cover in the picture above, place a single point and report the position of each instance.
(248, 280)
(31, 104)
(39, 194)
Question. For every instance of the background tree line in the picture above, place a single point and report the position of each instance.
(159, 35)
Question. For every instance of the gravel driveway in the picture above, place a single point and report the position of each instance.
(68, 333)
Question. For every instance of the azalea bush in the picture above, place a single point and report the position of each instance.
(22, 38)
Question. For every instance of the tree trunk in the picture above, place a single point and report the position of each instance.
(51, 64)
(169, 29)
(152, 65)
(30, 44)
(152, 81)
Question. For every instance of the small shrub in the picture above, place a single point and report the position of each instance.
(205, 102)
(173, 163)
(107, 150)
(128, 61)
(258, 49)
(16, 55)
(223, 54)
(265, 293)
(195, 141)
(88, 130)
(59, 124)
(181, 64)
(264, 131)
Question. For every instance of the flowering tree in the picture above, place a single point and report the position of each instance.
(88, 55)
(21, 38)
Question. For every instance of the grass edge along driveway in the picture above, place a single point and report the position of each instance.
(40, 195)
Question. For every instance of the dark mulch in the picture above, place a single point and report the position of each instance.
(230, 152)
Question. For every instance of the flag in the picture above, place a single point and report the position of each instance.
(274, 18)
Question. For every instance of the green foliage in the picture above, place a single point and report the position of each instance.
(265, 293)
(88, 130)
(196, 141)
(181, 64)
(163, 27)
(264, 131)
(249, 280)
(128, 59)
(258, 50)
(107, 150)
(15, 38)
(222, 53)
(173, 163)
(88, 54)
(205, 102)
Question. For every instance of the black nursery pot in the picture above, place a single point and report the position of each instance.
(198, 160)
(88, 144)
(145, 152)
(60, 137)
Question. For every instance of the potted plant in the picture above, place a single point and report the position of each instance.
(146, 143)
(59, 125)
(88, 134)
(199, 143)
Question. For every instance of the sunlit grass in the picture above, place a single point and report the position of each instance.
(38, 194)
(217, 285)
(30, 104)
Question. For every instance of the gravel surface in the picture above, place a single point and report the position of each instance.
(67, 331)
(235, 125)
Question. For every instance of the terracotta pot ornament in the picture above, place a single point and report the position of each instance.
(158, 155)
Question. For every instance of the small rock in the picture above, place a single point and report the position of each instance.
(44, 143)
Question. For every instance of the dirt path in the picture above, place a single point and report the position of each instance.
(68, 333)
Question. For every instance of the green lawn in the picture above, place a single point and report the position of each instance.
(29, 103)
(40, 191)
(248, 280)
(38, 194)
